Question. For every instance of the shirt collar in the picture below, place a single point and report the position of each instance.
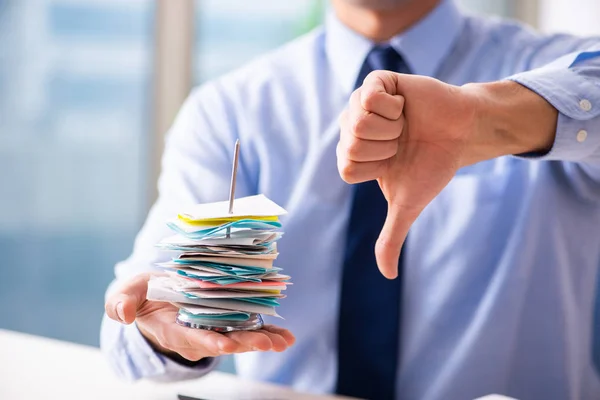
(423, 46)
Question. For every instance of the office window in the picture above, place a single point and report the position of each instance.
(74, 104)
(230, 33)
(506, 8)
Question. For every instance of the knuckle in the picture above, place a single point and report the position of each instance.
(348, 172)
(347, 168)
(374, 75)
(354, 150)
(370, 101)
(360, 126)
(355, 97)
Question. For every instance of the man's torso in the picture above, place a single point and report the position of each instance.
(498, 290)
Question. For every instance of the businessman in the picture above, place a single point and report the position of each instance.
(472, 147)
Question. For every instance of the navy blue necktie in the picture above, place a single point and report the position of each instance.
(369, 318)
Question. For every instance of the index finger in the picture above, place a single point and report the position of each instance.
(379, 95)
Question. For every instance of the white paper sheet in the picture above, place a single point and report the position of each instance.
(258, 206)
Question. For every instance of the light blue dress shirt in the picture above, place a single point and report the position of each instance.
(500, 271)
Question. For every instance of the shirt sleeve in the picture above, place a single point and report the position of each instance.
(572, 85)
(132, 357)
(196, 167)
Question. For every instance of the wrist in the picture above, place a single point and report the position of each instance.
(172, 355)
(509, 119)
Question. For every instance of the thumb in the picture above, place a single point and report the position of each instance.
(122, 305)
(392, 237)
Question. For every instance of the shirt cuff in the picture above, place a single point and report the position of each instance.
(132, 358)
(577, 100)
(157, 367)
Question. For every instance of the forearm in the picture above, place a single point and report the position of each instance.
(548, 113)
(509, 119)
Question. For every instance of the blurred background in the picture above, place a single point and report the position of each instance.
(87, 90)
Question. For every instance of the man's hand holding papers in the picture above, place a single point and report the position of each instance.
(156, 321)
(221, 276)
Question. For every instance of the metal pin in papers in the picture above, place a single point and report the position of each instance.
(236, 156)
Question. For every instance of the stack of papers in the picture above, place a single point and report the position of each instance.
(222, 268)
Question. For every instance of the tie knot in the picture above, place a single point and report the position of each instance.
(382, 57)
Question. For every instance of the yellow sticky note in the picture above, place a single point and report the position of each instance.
(221, 221)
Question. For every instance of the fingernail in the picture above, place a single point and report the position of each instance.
(120, 311)
(221, 344)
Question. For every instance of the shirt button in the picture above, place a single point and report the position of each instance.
(585, 105)
(581, 135)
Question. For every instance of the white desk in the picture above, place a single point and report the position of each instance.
(37, 368)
